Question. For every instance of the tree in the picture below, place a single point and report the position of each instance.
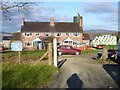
(8, 8)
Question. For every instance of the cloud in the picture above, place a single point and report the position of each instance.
(100, 8)
(113, 19)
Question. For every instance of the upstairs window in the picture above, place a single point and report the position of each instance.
(58, 34)
(36, 34)
(47, 34)
(76, 34)
(28, 34)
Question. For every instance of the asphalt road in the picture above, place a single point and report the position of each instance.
(82, 72)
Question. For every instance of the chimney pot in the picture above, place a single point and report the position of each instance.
(52, 21)
(23, 22)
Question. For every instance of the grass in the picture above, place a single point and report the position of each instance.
(90, 51)
(25, 55)
(110, 47)
(26, 75)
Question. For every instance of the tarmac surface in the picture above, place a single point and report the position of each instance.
(84, 72)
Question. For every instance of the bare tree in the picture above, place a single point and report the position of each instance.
(9, 8)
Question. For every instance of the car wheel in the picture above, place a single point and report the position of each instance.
(77, 53)
(59, 53)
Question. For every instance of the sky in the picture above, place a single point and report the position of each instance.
(96, 15)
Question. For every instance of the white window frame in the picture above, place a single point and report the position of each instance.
(49, 34)
(58, 33)
(77, 35)
(37, 34)
(28, 34)
(28, 42)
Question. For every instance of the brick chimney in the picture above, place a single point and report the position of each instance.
(80, 22)
(52, 22)
(23, 21)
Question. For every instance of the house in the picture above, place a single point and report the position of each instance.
(67, 33)
(6, 40)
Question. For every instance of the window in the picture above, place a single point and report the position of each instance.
(76, 34)
(28, 34)
(67, 34)
(58, 34)
(47, 34)
(65, 41)
(28, 43)
(36, 34)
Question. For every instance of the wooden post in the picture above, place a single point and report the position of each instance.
(55, 51)
(104, 54)
(19, 57)
(50, 53)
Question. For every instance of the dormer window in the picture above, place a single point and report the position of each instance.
(76, 34)
(58, 34)
(28, 34)
(47, 34)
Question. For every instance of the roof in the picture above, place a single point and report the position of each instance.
(45, 27)
(86, 36)
(7, 37)
(16, 36)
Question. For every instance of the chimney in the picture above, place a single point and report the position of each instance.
(80, 20)
(52, 22)
(80, 23)
(23, 21)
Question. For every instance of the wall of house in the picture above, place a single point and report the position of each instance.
(87, 42)
(6, 43)
(60, 38)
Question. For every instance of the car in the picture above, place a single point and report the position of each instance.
(100, 46)
(66, 49)
(2, 48)
(118, 52)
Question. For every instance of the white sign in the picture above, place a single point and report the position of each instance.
(16, 46)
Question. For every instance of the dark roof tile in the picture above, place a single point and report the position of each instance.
(45, 27)
(86, 36)
(16, 36)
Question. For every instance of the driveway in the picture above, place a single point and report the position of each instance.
(82, 72)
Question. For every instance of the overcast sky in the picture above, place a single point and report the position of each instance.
(96, 15)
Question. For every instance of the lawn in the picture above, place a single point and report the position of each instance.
(25, 55)
(90, 51)
(26, 75)
(110, 47)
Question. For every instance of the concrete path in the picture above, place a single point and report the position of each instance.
(82, 72)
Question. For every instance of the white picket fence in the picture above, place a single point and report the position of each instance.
(104, 40)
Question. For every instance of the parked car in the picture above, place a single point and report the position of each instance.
(118, 52)
(2, 48)
(66, 49)
(100, 46)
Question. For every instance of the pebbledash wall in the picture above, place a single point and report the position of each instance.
(32, 31)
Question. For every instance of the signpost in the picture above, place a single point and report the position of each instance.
(55, 51)
(17, 46)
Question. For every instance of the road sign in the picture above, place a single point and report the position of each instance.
(16, 46)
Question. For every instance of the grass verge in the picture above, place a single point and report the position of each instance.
(90, 51)
(25, 55)
(26, 75)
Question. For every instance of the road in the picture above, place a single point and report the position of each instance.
(82, 72)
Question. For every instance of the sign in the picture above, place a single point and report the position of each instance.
(16, 46)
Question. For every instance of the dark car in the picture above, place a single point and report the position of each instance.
(2, 48)
(100, 46)
(66, 49)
